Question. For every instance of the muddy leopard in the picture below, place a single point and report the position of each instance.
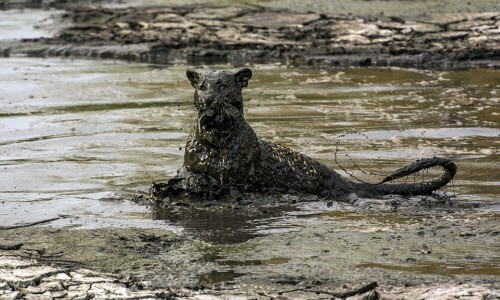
(223, 153)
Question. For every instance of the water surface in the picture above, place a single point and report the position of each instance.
(74, 131)
(26, 23)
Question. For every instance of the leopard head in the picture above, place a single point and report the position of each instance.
(218, 102)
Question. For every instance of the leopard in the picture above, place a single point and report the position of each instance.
(223, 153)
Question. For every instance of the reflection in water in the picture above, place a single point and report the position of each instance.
(224, 224)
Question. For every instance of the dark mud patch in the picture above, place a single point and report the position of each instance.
(245, 34)
(131, 253)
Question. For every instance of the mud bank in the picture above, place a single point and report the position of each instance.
(247, 34)
(369, 249)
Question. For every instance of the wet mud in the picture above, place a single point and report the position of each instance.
(338, 250)
(250, 34)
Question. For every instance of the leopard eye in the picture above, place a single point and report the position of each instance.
(222, 87)
(203, 86)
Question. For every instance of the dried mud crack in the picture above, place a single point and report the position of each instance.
(247, 34)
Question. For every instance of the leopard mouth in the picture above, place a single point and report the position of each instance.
(216, 126)
(211, 120)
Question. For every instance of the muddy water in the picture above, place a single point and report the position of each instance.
(84, 130)
(79, 138)
(76, 132)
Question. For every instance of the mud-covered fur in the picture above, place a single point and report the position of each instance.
(224, 153)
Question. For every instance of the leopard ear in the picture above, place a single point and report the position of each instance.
(194, 77)
(243, 76)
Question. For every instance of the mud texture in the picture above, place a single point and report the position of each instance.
(421, 250)
(246, 34)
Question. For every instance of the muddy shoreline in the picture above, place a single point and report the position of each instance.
(249, 34)
(360, 250)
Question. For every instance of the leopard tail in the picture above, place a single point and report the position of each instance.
(417, 188)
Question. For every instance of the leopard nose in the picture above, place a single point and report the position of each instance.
(209, 100)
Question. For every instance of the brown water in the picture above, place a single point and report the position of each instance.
(74, 132)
